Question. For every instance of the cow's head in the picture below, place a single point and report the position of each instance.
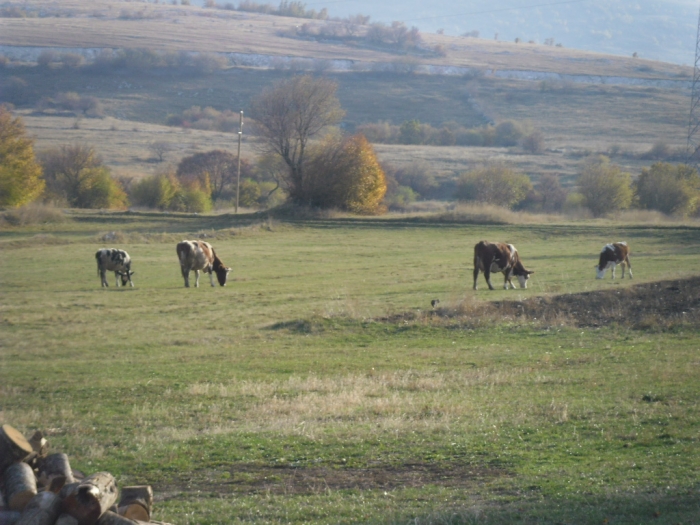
(126, 276)
(220, 270)
(522, 278)
(522, 274)
(600, 270)
(222, 274)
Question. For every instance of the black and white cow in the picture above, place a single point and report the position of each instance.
(114, 260)
(199, 255)
(610, 256)
(499, 257)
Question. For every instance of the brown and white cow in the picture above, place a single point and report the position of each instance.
(114, 260)
(499, 257)
(199, 255)
(610, 256)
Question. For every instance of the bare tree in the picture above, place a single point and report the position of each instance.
(159, 149)
(290, 114)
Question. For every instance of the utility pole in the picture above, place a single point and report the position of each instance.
(238, 174)
(694, 120)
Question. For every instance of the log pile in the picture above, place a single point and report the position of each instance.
(39, 488)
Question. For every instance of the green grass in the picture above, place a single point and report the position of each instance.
(292, 396)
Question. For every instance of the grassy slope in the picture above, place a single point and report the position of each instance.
(574, 118)
(285, 397)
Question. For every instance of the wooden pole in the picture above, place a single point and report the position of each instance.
(238, 173)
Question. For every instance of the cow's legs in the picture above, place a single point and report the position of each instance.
(476, 272)
(613, 270)
(211, 278)
(116, 278)
(629, 267)
(507, 281)
(103, 278)
(487, 276)
(186, 276)
(196, 281)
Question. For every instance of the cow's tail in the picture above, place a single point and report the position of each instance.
(97, 260)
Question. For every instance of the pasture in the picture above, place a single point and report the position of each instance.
(320, 387)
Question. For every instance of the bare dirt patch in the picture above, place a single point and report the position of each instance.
(657, 305)
(253, 478)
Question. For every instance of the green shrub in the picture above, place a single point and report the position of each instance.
(156, 191)
(496, 184)
(604, 186)
(668, 188)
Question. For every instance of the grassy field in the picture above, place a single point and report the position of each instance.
(320, 387)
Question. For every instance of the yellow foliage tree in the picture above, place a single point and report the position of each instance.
(20, 173)
(345, 174)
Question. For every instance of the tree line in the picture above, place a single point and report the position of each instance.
(308, 161)
(602, 187)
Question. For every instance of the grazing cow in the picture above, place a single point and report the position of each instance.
(610, 256)
(499, 257)
(199, 255)
(113, 260)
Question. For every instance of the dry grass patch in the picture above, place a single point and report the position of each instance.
(33, 213)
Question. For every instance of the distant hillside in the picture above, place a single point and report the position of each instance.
(655, 29)
(108, 24)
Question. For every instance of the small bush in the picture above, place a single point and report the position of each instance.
(156, 191)
(496, 184)
(533, 142)
(604, 186)
(659, 151)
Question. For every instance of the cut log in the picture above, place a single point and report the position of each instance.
(14, 447)
(136, 502)
(9, 517)
(39, 444)
(43, 509)
(90, 498)
(68, 489)
(55, 471)
(66, 519)
(134, 511)
(20, 485)
(112, 518)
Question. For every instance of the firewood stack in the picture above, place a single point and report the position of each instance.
(38, 488)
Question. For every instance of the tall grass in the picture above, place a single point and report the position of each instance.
(32, 214)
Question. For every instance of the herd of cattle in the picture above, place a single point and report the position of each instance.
(489, 257)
